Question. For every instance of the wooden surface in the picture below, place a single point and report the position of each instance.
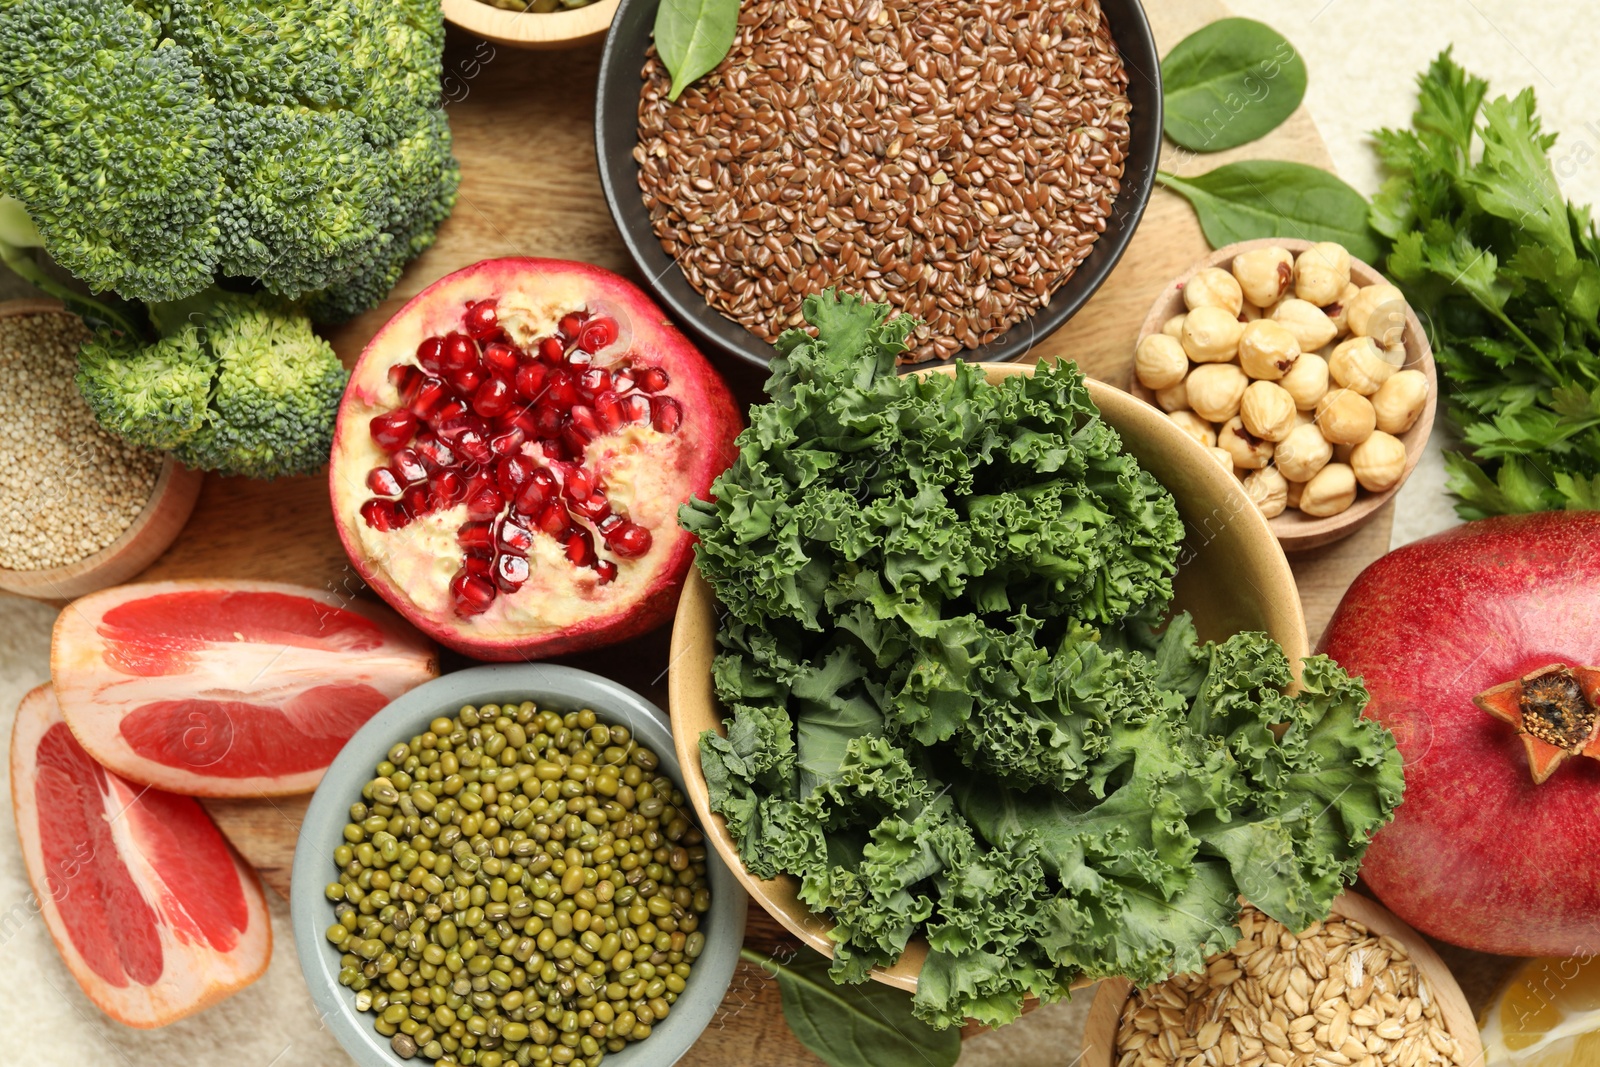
(523, 130)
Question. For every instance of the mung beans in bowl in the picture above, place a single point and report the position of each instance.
(981, 165)
(564, 911)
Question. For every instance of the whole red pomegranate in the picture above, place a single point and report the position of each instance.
(511, 453)
(1479, 648)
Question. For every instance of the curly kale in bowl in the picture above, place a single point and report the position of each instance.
(958, 707)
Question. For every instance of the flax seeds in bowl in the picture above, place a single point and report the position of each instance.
(957, 160)
(69, 488)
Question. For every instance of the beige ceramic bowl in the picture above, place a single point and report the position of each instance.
(1232, 576)
(1294, 530)
(533, 29)
(1100, 1032)
(155, 528)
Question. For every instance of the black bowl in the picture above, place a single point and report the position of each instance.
(616, 132)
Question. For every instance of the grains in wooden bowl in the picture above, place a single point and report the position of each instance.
(1333, 996)
(954, 158)
(69, 489)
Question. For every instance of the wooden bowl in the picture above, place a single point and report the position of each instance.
(1100, 1032)
(1232, 576)
(1295, 530)
(570, 28)
(171, 501)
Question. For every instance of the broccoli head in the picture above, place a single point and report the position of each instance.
(160, 146)
(237, 383)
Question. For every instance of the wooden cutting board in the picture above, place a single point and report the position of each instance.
(523, 125)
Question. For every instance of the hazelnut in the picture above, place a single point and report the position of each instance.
(1222, 456)
(1264, 274)
(1250, 313)
(1311, 328)
(1215, 390)
(1378, 311)
(1243, 448)
(1159, 361)
(1211, 334)
(1345, 417)
(1379, 462)
(1267, 350)
(1358, 363)
(1195, 427)
(1321, 272)
(1268, 490)
(1174, 397)
(1173, 327)
(1267, 410)
(1303, 453)
(1306, 381)
(1339, 310)
(1295, 489)
(1399, 401)
(1329, 492)
(1213, 287)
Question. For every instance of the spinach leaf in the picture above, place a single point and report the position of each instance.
(1228, 84)
(867, 1025)
(1268, 198)
(692, 37)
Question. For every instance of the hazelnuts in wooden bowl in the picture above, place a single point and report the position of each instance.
(1303, 370)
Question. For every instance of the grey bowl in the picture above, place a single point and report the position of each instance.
(616, 124)
(564, 689)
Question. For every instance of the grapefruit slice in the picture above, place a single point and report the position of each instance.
(154, 913)
(228, 688)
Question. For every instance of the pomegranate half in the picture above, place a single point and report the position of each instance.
(228, 688)
(510, 456)
(1481, 650)
(154, 913)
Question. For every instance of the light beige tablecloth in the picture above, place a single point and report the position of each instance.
(1362, 55)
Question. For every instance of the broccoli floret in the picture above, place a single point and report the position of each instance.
(159, 146)
(237, 383)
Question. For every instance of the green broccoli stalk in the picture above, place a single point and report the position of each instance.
(237, 383)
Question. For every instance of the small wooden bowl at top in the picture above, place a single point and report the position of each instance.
(1232, 576)
(171, 501)
(1295, 530)
(1100, 1031)
(567, 28)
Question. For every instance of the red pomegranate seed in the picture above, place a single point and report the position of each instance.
(431, 394)
(582, 419)
(551, 350)
(560, 389)
(474, 446)
(510, 472)
(509, 442)
(609, 523)
(492, 398)
(472, 594)
(514, 537)
(606, 570)
(600, 332)
(553, 519)
(510, 573)
(383, 482)
(608, 411)
(480, 565)
(430, 355)
(556, 450)
(476, 537)
(445, 489)
(393, 429)
(481, 319)
(594, 508)
(575, 442)
(571, 323)
(666, 414)
(501, 358)
(406, 380)
(383, 515)
(484, 503)
(460, 353)
(546, 419)
(652, 379)
(594, 380)
(467, 379)
(629, 540)
(415, 500)
(636, 408)
(622, 380)
(451, 409)
(580, 483)
(433, 453)
(408, 466)
(531, 498)
(520, 417)
(580, 547)
(530, 380)
(450, 431)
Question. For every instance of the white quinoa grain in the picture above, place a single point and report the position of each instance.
(67, 488)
